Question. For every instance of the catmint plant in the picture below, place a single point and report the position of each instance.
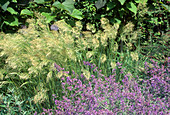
(102, 95)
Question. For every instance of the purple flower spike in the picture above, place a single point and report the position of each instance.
(58, 67)
(54, 27)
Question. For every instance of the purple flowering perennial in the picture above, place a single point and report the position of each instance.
(106, 97)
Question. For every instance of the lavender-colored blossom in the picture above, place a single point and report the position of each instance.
(58, 67)
(54, 27)
(100, 96)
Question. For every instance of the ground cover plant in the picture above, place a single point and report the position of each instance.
(99, 94)
(72, 66)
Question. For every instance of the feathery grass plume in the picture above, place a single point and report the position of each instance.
(41, 94)
(114, 47)
(103, 58)
(91, 27)
(64, 27)
(24, 76)
(79, 25)
(76, 32)
(86, 74)
(104, 21)
(104, 39)
(49, 76)
(95, 43)
(34, 53)
(134, 56)
(40, 97)
(113, 65)
(89, 54)
(142, 8)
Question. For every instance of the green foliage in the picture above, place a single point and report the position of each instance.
(12, 104)
(153, 21)
(13, 11)
(105, 35)
(120, 11)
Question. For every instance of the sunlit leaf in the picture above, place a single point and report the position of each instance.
(68, 5)
(132, 7)
(11, 10)
(122, 1)
(12, 21)
(26, 12)
(77, 14)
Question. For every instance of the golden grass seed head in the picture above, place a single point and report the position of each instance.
(128, 28)
(89, 54)
(103, 58)
(104, 39)
(87, 34)
(129, 45)
(40, 97)
(79, 25)
(134, 56)
(86, 74)
(113, 65)
(114, 47)
(95, 43)
(104, 21)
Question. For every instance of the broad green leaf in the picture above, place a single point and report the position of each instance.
(39, 1)
(26, 12)
(132, 7)
(48, 16)
(110, 5)
(77, 14)
(68, 5)
(58, 5)
(122, 1)
(12, 21)
(11, 10)
(100, 3)
(4, 5)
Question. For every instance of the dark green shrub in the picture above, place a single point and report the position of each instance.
(154, 23)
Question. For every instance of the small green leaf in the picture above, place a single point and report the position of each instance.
(48, 16)
(122, 1)
(77, 14)
(138, 1)
(11, 10)
(39, 1)
(132, 7)
(12, 21)
(117, 20)
(26, 12)
(110, 5)
(4, 5)
(100, 3)
(4, 106)
(141, 1)
(14, 1)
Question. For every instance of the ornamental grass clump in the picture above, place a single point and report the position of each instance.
(103, 95)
